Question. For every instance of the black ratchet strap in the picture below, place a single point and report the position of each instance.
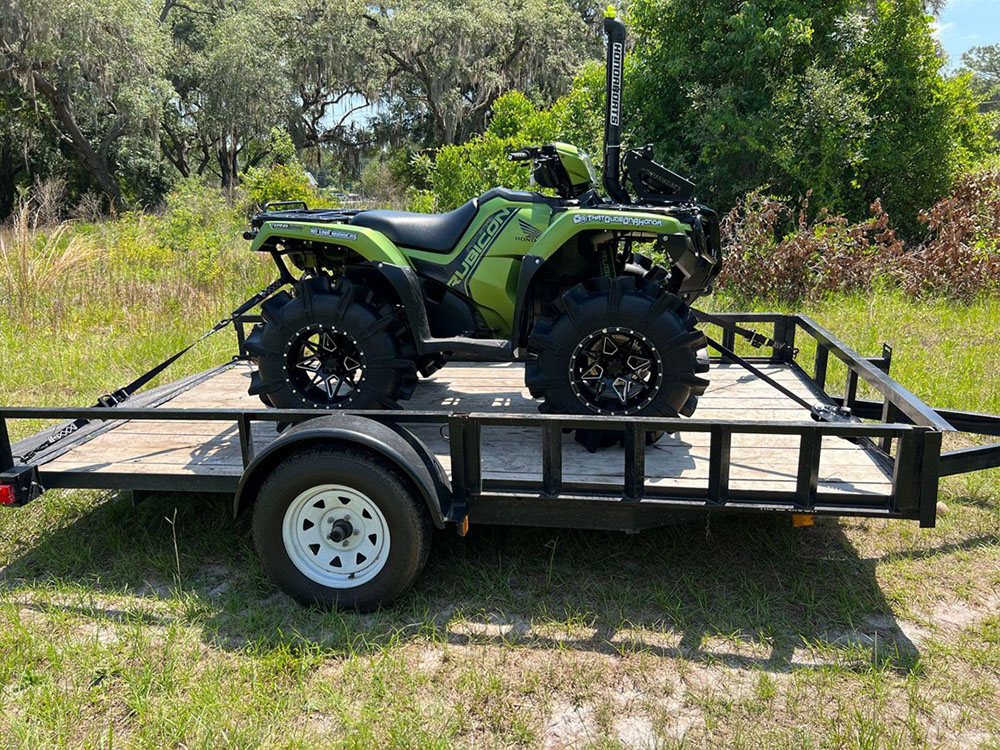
(819, 412)
(757, 340)
(110, 400)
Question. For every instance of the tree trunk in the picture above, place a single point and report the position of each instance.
(96, 164)
(10, 167)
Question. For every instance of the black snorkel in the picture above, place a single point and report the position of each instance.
(615, 32)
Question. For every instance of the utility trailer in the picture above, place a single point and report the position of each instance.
(473, 449)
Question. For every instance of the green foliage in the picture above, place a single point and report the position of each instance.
(278, 182)
(465, 171)
(841, 98)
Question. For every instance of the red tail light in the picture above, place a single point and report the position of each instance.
(7, 494)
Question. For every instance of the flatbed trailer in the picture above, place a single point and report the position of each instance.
(473, 449)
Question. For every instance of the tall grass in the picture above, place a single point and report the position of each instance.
(84, 306)
(34, 263)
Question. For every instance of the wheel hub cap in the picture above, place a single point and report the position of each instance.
(336, 536)
(325, 366)
(615, 371)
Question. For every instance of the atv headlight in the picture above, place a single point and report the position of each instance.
(590, 167)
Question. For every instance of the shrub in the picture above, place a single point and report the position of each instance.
(961, 256)
(461, 172)
(280, 182)
(773, 251)
(828, 253)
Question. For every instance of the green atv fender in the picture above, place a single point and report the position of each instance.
(492, 264)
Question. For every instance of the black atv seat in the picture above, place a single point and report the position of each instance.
(437, 233)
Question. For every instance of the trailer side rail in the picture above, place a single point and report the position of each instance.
(906, 441)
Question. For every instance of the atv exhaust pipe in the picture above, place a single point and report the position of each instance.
(614, 30)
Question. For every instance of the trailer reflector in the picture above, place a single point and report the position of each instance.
(802, 519)
(7, 495)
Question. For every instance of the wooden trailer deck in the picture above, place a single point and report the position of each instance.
(764, 462)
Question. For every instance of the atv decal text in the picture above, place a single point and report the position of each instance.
(531, 233)
(629, 221)
(614, 111)
(464, 266)
(334, 233)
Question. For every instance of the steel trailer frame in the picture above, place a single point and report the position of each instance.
(906, 440)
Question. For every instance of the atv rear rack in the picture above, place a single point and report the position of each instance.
(887, 468)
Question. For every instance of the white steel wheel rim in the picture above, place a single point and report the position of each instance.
(336, 536)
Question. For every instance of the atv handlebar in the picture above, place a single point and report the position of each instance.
(520, 156)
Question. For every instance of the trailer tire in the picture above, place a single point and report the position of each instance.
(335, 527)
(331, 346)
(654, 353)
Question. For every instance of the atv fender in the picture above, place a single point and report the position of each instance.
(395, 445)
(370, 244)
(572, 223)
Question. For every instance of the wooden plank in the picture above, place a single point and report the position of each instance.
(759, 462)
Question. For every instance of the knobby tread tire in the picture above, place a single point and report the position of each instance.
(378, 329)
(642, 305)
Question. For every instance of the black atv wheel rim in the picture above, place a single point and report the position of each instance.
(615, 371)
(325, 367)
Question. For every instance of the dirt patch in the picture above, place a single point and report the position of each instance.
(956, 615)
(570, 726)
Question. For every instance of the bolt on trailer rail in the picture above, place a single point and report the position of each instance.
(904, 444)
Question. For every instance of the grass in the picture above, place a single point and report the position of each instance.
(741, 632)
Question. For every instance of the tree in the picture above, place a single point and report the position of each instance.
(983, 63)
(449, 61)
(94, 68)
(232, 81)
(845, 98)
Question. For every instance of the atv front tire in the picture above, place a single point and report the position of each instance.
(618, 347)
(331, 346)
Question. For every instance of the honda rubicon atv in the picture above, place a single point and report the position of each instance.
(554, 281)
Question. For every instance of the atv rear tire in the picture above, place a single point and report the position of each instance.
(331, 346)
(621, 347)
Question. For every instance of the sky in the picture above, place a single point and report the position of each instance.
(968, 23)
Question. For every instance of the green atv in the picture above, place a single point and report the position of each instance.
(553, 281)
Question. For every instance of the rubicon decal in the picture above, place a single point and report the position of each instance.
(631, 221)
(464, 266)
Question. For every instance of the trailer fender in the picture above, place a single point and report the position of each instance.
(395, 444)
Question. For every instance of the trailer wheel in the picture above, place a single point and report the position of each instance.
(622, 346)
(336, 528)
(332, 346)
